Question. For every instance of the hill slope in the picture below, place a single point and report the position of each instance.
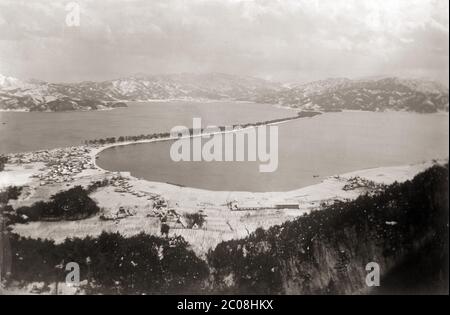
(327, 95)
(43, 96)
(327, 251)
(373, 95)
(323, 252)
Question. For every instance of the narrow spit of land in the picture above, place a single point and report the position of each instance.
(223, 129)
(130, 205)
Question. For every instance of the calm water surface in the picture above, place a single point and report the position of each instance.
(20, 132)
(310, 149)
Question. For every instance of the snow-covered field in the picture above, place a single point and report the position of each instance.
(19, 175)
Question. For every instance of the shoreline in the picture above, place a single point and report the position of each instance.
(166, 100)
(138, 197)
(26, 110)
(208, 134)
(130, 205)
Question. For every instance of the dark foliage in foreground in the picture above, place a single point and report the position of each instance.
(423, 272)
(10, 193)
(72, 204)
(194, 219)
(3, 161)
(113, 263)
(323, 252)
(326, 251)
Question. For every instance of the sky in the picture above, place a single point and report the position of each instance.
(286, 40)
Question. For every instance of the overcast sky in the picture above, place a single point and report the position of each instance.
(287, 40)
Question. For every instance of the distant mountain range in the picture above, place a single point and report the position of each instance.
(368, 94)
(327, 95)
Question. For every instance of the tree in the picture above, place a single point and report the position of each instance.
(72, 204)
(192, 219)
(3, 161)
(10, 193)
(134, 265)
(165, 229)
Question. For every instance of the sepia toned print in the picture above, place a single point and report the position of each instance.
(206, 147)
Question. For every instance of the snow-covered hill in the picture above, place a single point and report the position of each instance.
(328, 95)
(86, 95)
(373, 95)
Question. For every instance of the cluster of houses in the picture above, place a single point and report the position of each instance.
(165, 214)
(121, 213)
(159, 205)
(62, 164)
(122, 186)
(362, 183)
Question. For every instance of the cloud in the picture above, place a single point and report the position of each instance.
(295, 40)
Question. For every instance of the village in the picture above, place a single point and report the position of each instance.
(61, 164)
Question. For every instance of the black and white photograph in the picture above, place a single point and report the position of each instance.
(216, 148)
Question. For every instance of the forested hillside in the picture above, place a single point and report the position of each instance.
(327, 251)
(403, 229)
